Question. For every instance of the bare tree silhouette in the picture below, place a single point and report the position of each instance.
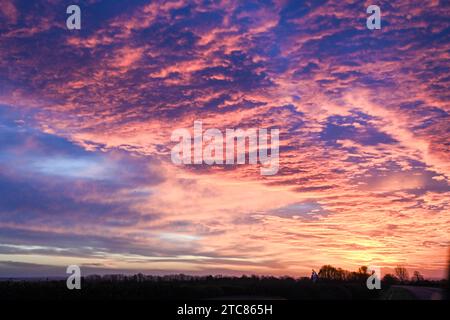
(401, 273)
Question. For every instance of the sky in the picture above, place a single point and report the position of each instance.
(86, 118)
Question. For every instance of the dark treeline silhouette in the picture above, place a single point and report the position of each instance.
(330, 273)
(334, 283)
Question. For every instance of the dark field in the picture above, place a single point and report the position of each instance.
(182, 287)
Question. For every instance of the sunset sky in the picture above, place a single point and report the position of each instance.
(86, 117)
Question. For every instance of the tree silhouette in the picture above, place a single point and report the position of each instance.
(363, 270)
(401, 273)
(390, 279)
(417, 277)
(329, 272)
